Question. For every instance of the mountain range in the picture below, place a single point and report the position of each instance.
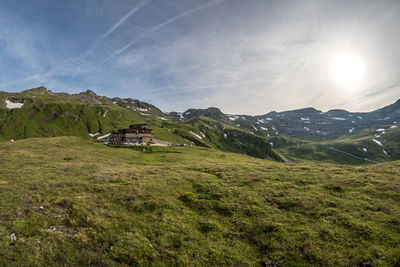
(336, 136)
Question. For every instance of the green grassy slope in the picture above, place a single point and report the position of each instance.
(72, 202)
(55, 119)
(354, 144)
(45, 113)
(207, 132)
(48, 114)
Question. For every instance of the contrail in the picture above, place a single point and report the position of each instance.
(165, 23)
(118, 24)
(122, 20)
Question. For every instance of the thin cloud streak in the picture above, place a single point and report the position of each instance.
(102, 37)
(163, 24)
(122, 20)
(245, 57)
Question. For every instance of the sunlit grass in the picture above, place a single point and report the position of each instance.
(70, 201)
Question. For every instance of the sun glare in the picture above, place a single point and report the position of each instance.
(347, 69)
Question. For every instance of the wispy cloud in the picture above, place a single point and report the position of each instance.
(122, 20)
(165, 23)
(241, 56)
(81, 60)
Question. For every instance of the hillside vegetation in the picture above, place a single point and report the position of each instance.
(48, 114)
(69, 201)
(365, 146)
(303, 135)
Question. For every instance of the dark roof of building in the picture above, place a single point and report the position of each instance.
(136, 125)
(136, 128)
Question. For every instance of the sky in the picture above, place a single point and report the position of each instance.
(242, 56)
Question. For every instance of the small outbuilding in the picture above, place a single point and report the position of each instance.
(137, 133)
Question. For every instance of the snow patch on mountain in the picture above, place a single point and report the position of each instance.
(378, 142)
(103, 136)
(195, 134)
(12, 105)
(233, 118)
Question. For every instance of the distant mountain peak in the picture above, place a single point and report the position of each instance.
(309, 110)
(91, 97)
(304, 111)
(38, 90)
(337, 112)
(212, 112)
(209, 109)
(89, 93)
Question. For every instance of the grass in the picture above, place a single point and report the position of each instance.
(70, 201)
(311, 150)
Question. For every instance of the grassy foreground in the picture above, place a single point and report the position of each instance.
(70, 201)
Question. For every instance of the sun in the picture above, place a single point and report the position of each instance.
(347, 69)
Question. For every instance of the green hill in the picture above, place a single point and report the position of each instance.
(48, 114)
(365, 146)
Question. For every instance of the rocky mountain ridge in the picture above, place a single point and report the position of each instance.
(303, 123)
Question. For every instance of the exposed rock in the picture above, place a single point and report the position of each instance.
(13, 237)
(39, 90)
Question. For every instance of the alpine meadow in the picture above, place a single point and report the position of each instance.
(199, 133)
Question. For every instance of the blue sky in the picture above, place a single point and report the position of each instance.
(243, 56)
